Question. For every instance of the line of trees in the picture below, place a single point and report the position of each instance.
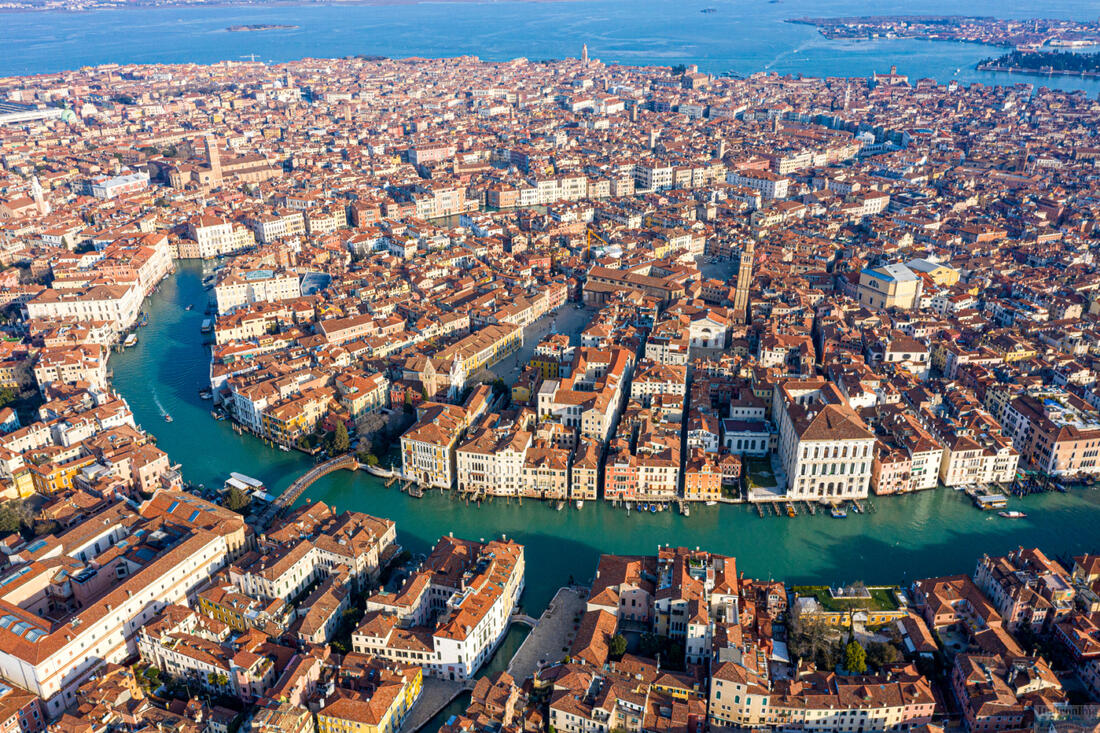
(1047, 60)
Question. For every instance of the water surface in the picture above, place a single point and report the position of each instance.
(741, 36)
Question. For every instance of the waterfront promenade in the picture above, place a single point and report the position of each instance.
(555, 629)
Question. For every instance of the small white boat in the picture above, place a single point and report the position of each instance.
(131, 339)
(283, 448)
(167, 417)
(712, 503)
(1012, 514)
(580, 504)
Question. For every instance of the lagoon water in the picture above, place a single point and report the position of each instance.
(742, 36)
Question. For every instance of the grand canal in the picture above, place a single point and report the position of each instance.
(907, 537)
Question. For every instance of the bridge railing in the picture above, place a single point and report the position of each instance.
(303, 482)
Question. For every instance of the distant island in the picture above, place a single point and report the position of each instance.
(259, 27)
(1029, 34)
(1045, 63)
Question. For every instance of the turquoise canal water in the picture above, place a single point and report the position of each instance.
(742, 36)
(908, 537)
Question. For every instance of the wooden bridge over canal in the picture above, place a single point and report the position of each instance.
(286, 499)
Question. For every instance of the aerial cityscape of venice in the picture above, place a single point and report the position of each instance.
(605, 366)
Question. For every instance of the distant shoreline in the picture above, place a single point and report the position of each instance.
(1037, 72)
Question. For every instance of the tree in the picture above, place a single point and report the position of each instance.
(42, 527)
(340, 441)
(617, 646)
(237, 499)
(649, 645)
(855, 658)
(809, 639)
(7, 396)
(153, 675)
(14, 515)
(880, 654)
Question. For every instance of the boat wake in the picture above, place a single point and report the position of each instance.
(156, 401)
(801, 47)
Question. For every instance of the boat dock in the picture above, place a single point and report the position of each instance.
(782, 508)
(413, 489)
